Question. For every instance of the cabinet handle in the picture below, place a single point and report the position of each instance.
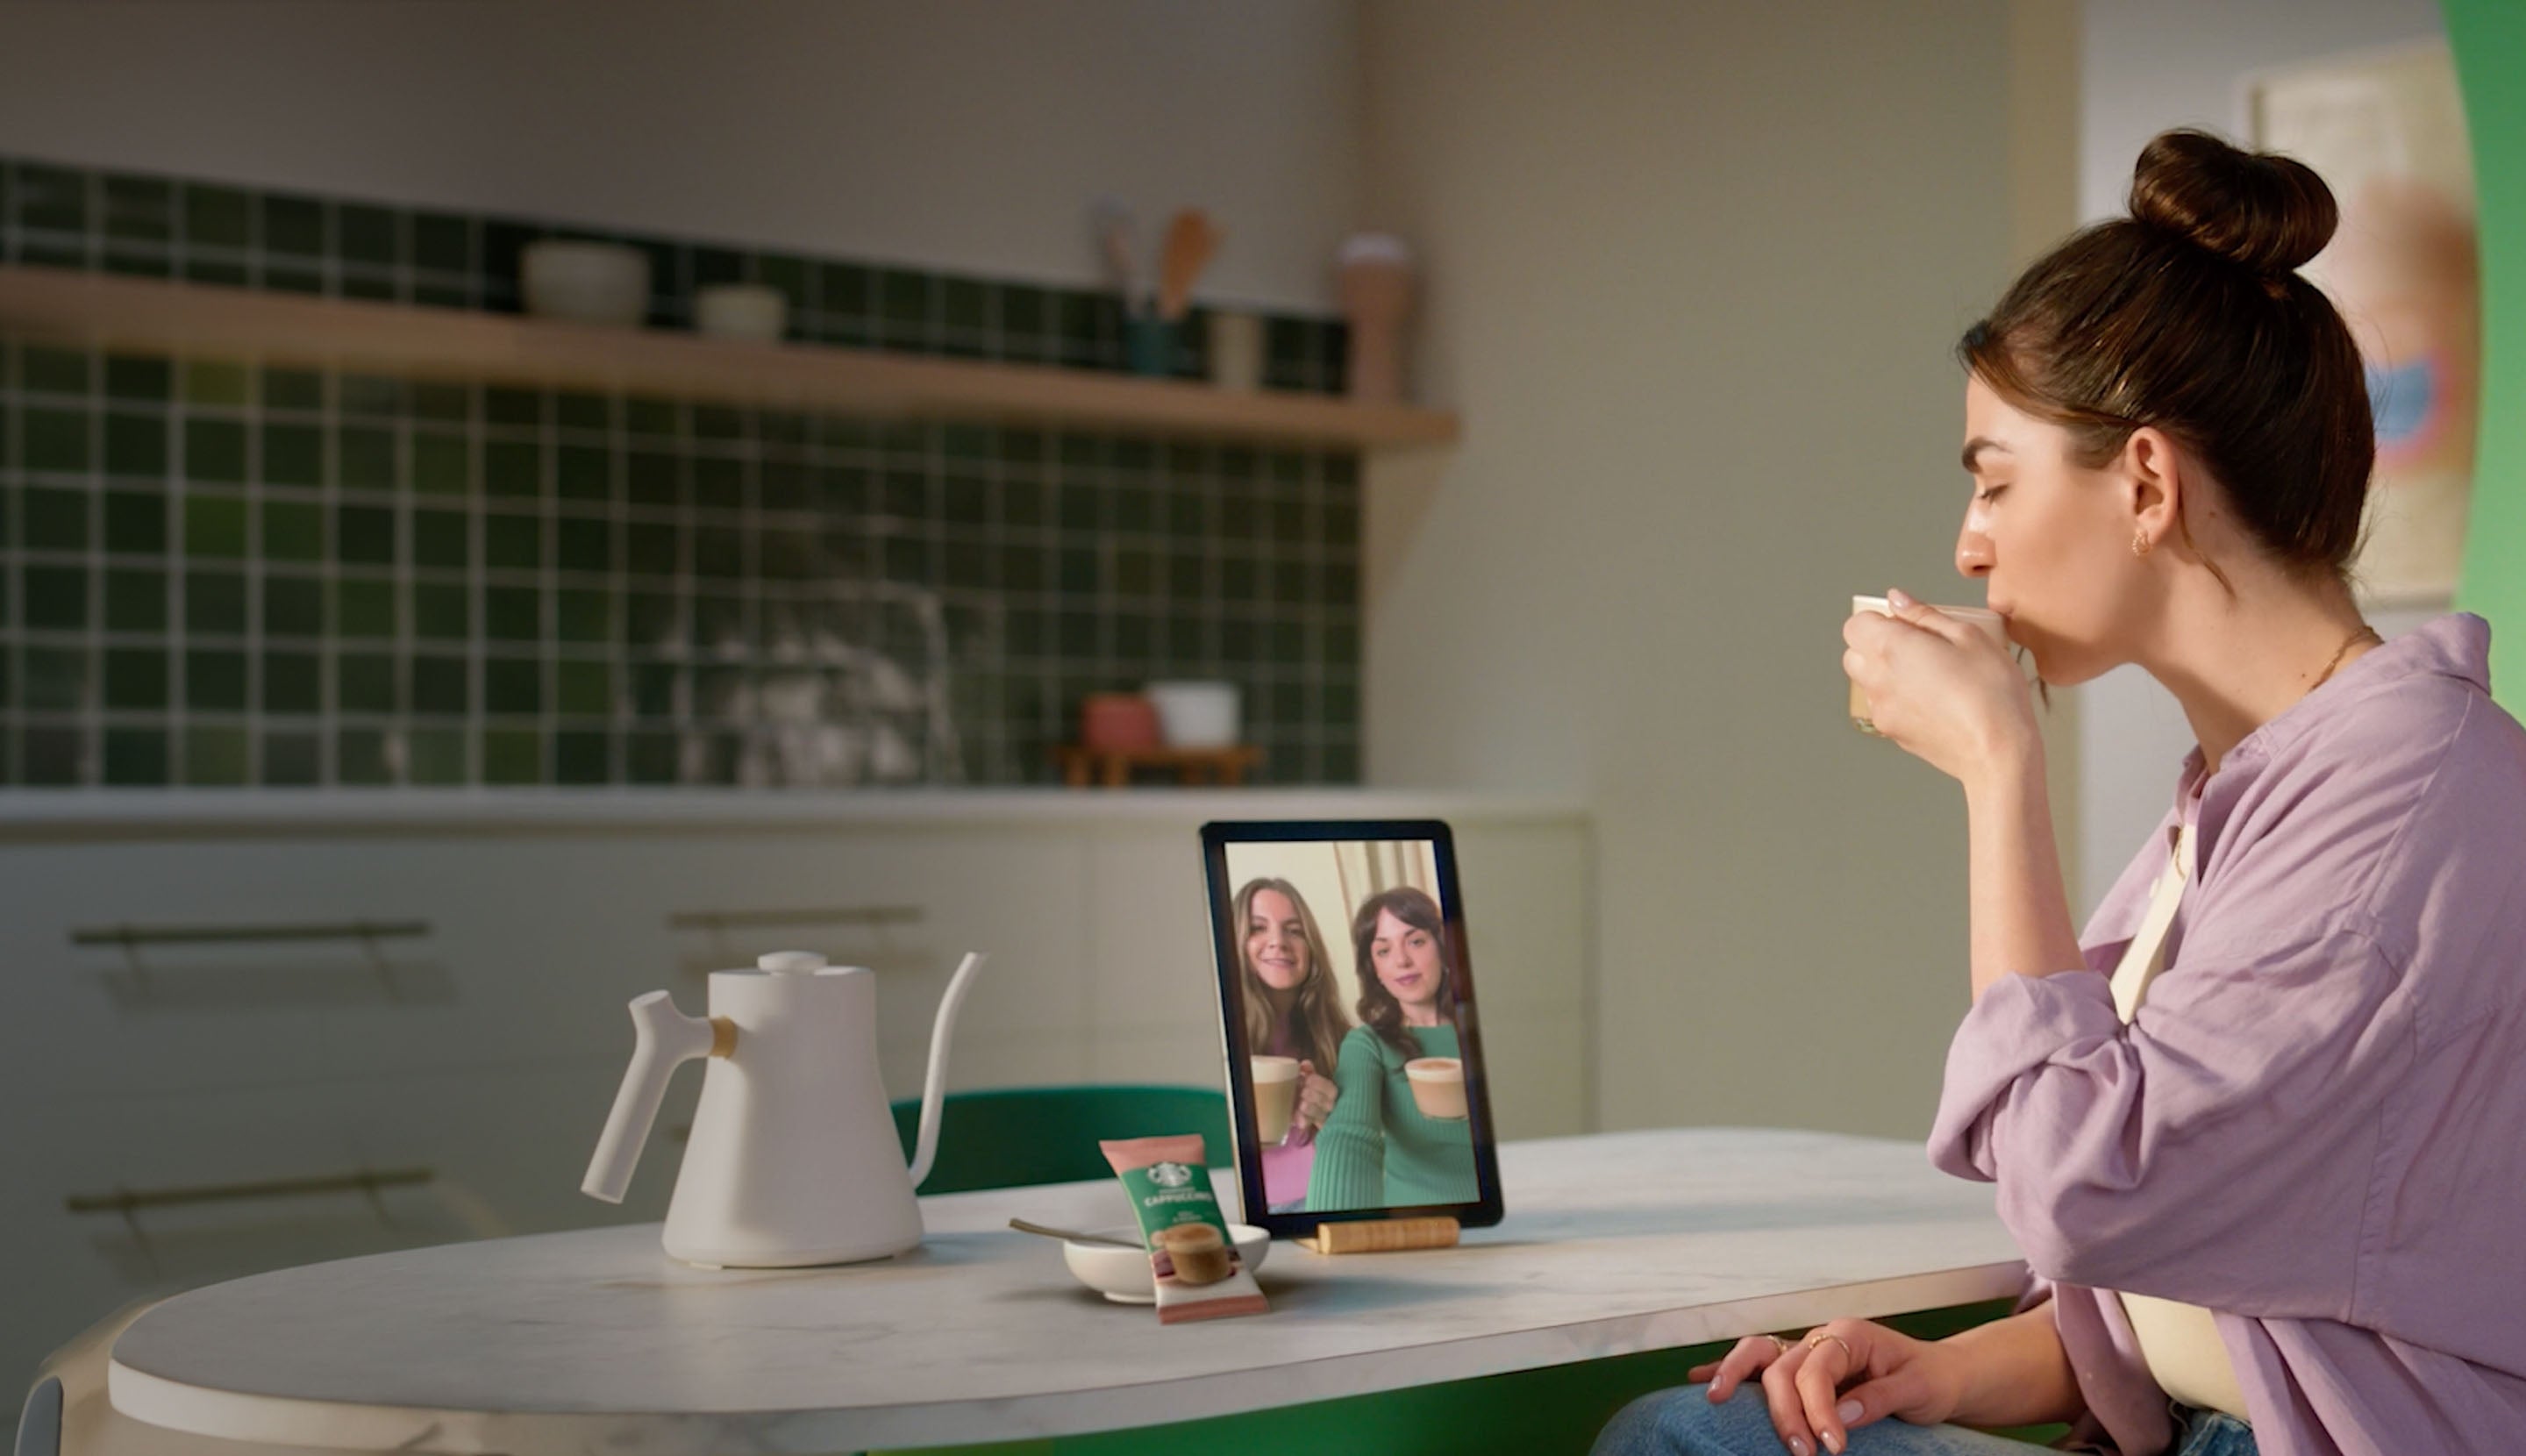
(748, 919)
(133, 938)
(362, 1180)
(130, 1203)
(370, 936)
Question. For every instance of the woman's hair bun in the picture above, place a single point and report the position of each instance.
(2264, 211)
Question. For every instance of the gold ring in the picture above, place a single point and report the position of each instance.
(1780, 1347)
(1848, 1354)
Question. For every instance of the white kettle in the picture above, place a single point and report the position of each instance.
(793, 1158)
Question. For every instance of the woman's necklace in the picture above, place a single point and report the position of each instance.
(2366, 633)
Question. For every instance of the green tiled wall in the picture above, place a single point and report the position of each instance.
(159, 226)
(223, 575)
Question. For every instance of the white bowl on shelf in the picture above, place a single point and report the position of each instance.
(584, 283)
(1123, 1274)
(755, 311)
(1196, 713)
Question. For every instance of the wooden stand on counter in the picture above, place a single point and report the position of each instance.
(1112, 768)
(1382, 1235)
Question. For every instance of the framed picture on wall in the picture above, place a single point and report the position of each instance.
(2386, 132)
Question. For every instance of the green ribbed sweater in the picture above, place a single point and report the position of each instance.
(1377, 1150)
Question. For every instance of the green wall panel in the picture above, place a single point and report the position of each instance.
(2489, 37)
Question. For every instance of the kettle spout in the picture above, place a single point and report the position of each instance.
(925, 1145)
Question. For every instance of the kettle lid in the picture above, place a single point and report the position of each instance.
(790, 962)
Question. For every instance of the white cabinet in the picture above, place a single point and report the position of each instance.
(218, 1061)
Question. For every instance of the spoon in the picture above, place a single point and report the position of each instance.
(1023, 1227)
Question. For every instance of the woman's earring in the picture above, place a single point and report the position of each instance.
(2140, 543)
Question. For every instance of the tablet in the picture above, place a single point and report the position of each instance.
(1355, 1074)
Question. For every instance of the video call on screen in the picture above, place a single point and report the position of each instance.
(1350, 995)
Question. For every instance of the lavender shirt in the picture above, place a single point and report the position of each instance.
(2316, 1125)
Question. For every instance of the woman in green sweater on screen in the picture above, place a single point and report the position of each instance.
(1377, 1149)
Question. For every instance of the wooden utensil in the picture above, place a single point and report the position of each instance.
(1114, 227)
(1192, 241)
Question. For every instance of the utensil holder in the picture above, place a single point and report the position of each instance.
(1149, 344)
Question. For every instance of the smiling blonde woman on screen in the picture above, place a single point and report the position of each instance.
(2257, 1130)
(1292, 1009)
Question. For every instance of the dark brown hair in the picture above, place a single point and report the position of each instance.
(1314, 1019)
(2189, 317)
(1379, 1011)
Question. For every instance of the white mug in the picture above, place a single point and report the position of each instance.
(1988, 621)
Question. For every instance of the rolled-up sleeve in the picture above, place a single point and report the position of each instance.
(2220, 1149)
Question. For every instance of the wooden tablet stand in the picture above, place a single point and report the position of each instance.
(1382, 1235)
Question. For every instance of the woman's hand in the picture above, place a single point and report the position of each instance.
(1315, 1098)
(1940, 689)
(1913, 1380)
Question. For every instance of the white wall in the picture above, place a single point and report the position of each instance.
(1693, 274)
(956, 134)
(2146, 66)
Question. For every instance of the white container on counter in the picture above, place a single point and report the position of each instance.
(756, 312)
(1196, 714)
(584, 283)
(1235, 350)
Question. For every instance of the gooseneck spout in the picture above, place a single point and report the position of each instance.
(924, 1146)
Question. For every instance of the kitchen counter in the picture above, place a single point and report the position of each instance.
(39, 814)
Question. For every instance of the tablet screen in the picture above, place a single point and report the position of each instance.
(1354, 1064)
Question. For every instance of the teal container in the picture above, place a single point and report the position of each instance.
(1149, 344)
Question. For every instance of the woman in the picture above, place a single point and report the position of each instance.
(1291, 1010)
(2257, 1130)
(1378, 1150)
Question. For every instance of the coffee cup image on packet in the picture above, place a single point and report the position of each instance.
(1193, 1259)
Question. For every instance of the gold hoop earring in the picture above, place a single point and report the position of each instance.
(2140, 543)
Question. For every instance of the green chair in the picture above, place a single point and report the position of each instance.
(1014, 1138)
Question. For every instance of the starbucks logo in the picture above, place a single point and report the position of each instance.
(1170, 1175)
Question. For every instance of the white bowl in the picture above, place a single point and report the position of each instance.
(1123, 1274)
(748, 311)
(584, 283)
(1195, 715)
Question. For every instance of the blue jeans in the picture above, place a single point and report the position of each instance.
(1684, 1423)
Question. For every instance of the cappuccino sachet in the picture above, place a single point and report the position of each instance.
(1191, 1254)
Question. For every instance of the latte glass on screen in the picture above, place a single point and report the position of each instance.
(1276, 1096)
(1437, 1087)
(1984, 620)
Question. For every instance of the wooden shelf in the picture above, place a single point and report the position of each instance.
(149, 315)
(1112, 768)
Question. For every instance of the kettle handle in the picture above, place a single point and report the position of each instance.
(665, 1038)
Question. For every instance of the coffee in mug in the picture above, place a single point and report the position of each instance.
(1198, 1252)
(1988, 621)
(1437, 1087)
(1275, 1097)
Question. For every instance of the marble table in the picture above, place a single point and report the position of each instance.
(597, 1342)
